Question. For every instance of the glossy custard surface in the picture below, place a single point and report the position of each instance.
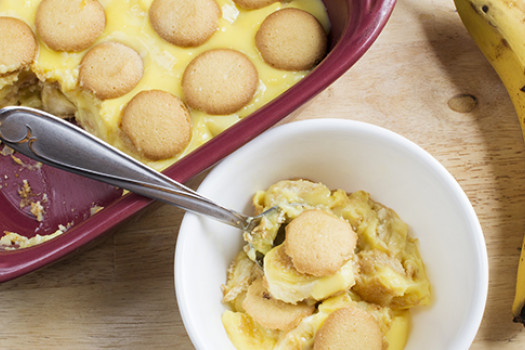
(127, 22)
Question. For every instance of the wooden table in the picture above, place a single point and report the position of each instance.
(120, 294)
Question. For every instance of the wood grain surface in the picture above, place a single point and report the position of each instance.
(419, 79)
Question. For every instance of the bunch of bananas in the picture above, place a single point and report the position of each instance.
(497, 28)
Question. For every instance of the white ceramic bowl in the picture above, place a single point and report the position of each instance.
(349, 155)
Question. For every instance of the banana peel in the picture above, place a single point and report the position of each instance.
(498, 29)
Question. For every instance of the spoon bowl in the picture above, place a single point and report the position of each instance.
(352, 156)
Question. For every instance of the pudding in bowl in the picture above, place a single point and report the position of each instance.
(353, 156)
(330, 261)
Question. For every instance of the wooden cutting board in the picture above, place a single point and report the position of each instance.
(419, 79)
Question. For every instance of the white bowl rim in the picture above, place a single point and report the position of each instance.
(465, 340)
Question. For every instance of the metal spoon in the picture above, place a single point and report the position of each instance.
(58, 143)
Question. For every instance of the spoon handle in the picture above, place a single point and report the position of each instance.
(58, 143)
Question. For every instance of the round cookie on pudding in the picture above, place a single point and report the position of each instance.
(291, 39)
(349, 328)
(185, 23)
(319, 243)
(271, 312)
(219, 81)
(110, 70)
(18, 46)
(70, 25)
(253, 4)
(157, 123)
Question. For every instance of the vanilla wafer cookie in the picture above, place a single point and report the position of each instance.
(18, 45)
(319, 243)
(270, 312)
(70, 25)
(185, 23)
(291, 39)
(157, 123)
(219, 81)
(253, 4)
(349, 328)
(110, 70)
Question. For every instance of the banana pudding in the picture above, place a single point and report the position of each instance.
(89, 59)
(339, 271)
(155, 78)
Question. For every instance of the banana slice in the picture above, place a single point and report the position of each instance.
(241, 273)
(287, 284)
(246, 334)
(387, 281)
(270, 312)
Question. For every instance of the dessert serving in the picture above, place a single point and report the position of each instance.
(434, 237)
(338, 271)
(155, 78)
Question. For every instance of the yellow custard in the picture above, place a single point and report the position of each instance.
(127, 22)
(385, 276)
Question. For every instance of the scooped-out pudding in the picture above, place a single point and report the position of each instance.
(339, 271)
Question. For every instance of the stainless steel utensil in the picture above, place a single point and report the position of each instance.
(58, 143)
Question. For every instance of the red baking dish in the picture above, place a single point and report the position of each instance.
(355, 26)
